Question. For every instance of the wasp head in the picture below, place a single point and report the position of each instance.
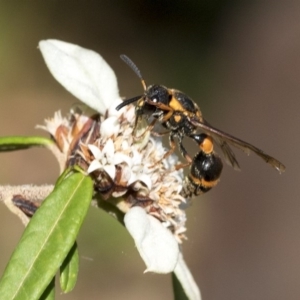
(157, 94)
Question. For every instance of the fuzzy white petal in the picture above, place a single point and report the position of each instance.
(110, 127)
(186, 279)
(155, 243)
(95, 151)
(94, 165)
(83, 72)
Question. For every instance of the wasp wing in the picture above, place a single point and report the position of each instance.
(222, 138)
(228, 153)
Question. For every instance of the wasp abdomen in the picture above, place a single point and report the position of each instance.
(204, 174)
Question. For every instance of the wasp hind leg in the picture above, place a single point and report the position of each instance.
(185, 154)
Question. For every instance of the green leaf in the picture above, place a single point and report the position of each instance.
(49, 293)
(47, 239)
(67, 172)
(69, 270)
(11, 143)
(179, 293)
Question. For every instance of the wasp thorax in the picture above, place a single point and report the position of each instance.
(158, 94)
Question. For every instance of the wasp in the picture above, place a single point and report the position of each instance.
(182, 117)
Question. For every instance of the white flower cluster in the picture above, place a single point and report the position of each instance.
(150, 190)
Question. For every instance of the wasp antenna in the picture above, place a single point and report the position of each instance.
(135, 69)
(127, 102)
(132, 65)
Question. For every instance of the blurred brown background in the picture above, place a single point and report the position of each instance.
(241, 62)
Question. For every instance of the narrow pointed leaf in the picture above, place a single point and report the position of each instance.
(67, 172)
(11, 143)
(49, 293)
(47, 239)
(69, 270)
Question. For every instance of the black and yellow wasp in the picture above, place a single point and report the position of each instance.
(181, 116)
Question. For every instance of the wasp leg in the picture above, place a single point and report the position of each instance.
(168, 153)
(149, 128)
(205, 169)
(137, 120)
(161, 106)
(160, 133)
(171, 151)
(167, 116)
(162, 120)
(185, 155)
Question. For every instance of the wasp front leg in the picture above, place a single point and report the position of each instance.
(205, 169)
(149, 128)
(168, 153)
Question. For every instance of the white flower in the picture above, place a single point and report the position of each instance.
(106, 159)
(106, 145)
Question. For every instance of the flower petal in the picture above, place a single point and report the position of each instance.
(137, 157)
(120, 157)
(83, 72)
(141, 177)
(95, 151)
(155, 243)
(131, 175)
(109, 148)
(94, 165)
(186, 279)
(110, 170)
